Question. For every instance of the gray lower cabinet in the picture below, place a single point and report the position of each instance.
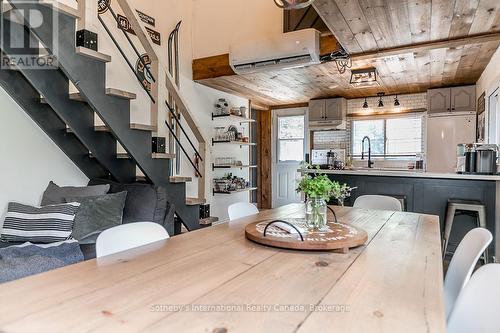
(455, 99)
(429, 196)
(317, 110)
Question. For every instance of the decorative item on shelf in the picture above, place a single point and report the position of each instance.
(229, 183)
(318, 189)
(222, 107)
(236, 111)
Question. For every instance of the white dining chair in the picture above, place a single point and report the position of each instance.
(476, 309)
(241, 209)
(462, 264)
(128, 236)
(378, 202)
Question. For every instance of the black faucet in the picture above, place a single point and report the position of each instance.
(370, 163)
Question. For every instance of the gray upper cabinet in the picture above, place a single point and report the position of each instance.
(439, 100)
(317, 110)
(463, 98)
(328, 113)
(456, 99)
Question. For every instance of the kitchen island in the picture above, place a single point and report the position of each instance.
(428, 193)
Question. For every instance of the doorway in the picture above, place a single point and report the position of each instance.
(289, 144)
(493, 117)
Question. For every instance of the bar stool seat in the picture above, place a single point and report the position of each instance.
(461, 206)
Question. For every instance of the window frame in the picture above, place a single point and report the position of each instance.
(278, 140)
(386, 156)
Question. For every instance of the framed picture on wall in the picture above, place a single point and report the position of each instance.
(481, 119)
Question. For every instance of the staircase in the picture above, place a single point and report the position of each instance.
(69, 119)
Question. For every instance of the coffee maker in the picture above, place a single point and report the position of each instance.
(477, 158)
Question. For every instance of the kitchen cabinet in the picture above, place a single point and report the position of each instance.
(328, 113)
(449, 100)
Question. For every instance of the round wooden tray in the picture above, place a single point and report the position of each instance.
(339, 236)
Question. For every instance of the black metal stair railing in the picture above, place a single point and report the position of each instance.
(146, 68)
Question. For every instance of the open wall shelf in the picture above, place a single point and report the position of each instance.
(248, 189)
(238, 143)
(232, 167)
(237, 119)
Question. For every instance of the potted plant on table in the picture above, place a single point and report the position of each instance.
(318, 190)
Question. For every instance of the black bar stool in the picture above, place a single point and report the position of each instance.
(458, 206)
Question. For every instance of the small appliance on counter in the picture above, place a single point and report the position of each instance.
(477, 158)
(333, 159)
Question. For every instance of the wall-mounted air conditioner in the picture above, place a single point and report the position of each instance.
(284, 51)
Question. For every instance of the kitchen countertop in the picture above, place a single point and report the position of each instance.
(404, 173)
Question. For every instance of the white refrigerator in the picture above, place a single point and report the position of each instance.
(444, 133)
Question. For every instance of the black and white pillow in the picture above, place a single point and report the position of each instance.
(46, 224)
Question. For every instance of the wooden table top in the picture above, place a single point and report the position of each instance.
(215, 280)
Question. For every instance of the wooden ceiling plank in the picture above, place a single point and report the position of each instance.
(467, 60)
(441, 17)
(330, 14)
(423, 64)
(420, 20)
(352, 13)
(379, 19)
(400, 18)
(487, 17)
(452, 60)
(437, 67)
(463, 16)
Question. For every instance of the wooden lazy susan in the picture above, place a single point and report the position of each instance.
(282, 234)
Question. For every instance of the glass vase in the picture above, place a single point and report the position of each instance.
(316, 216)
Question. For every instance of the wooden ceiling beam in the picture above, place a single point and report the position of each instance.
(217, 66)
(427, 46)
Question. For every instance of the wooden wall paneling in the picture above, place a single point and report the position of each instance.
(463, 16)
(264, 159)
(330, 14)
(352, 13)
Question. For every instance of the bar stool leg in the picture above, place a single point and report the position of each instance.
(450, 216)
(482, 223)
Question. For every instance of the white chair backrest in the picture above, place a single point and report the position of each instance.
(462, 264)
(476, 309)
(378, 202)
(128, 236)
(241, 209)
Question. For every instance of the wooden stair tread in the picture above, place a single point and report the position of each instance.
(142, 127)
(209, 220)
(122, 156)
(76, 97)
(178, 179)
(120, 93)
(195, 201)
(93, 54)
(165, 156)
(101, 128)
(62, 8)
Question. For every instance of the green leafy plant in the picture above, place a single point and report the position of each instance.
(320, 186)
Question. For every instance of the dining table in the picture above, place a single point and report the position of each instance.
(217, 280)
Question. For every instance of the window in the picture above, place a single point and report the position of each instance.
(291, 134)
(391, 137)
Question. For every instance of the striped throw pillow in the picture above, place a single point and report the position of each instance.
(46, 224)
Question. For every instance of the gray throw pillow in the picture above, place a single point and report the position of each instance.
(55, 195)
(97, 214)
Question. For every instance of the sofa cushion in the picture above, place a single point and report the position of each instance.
(46, 224)
(97, 213)
(144, 203)
(55, 194)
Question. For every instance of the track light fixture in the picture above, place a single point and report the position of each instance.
(365, 104)
(380, 101)
(396, 101)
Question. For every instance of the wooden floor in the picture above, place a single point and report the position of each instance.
(214, 280)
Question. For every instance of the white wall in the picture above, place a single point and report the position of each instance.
(29, 158)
